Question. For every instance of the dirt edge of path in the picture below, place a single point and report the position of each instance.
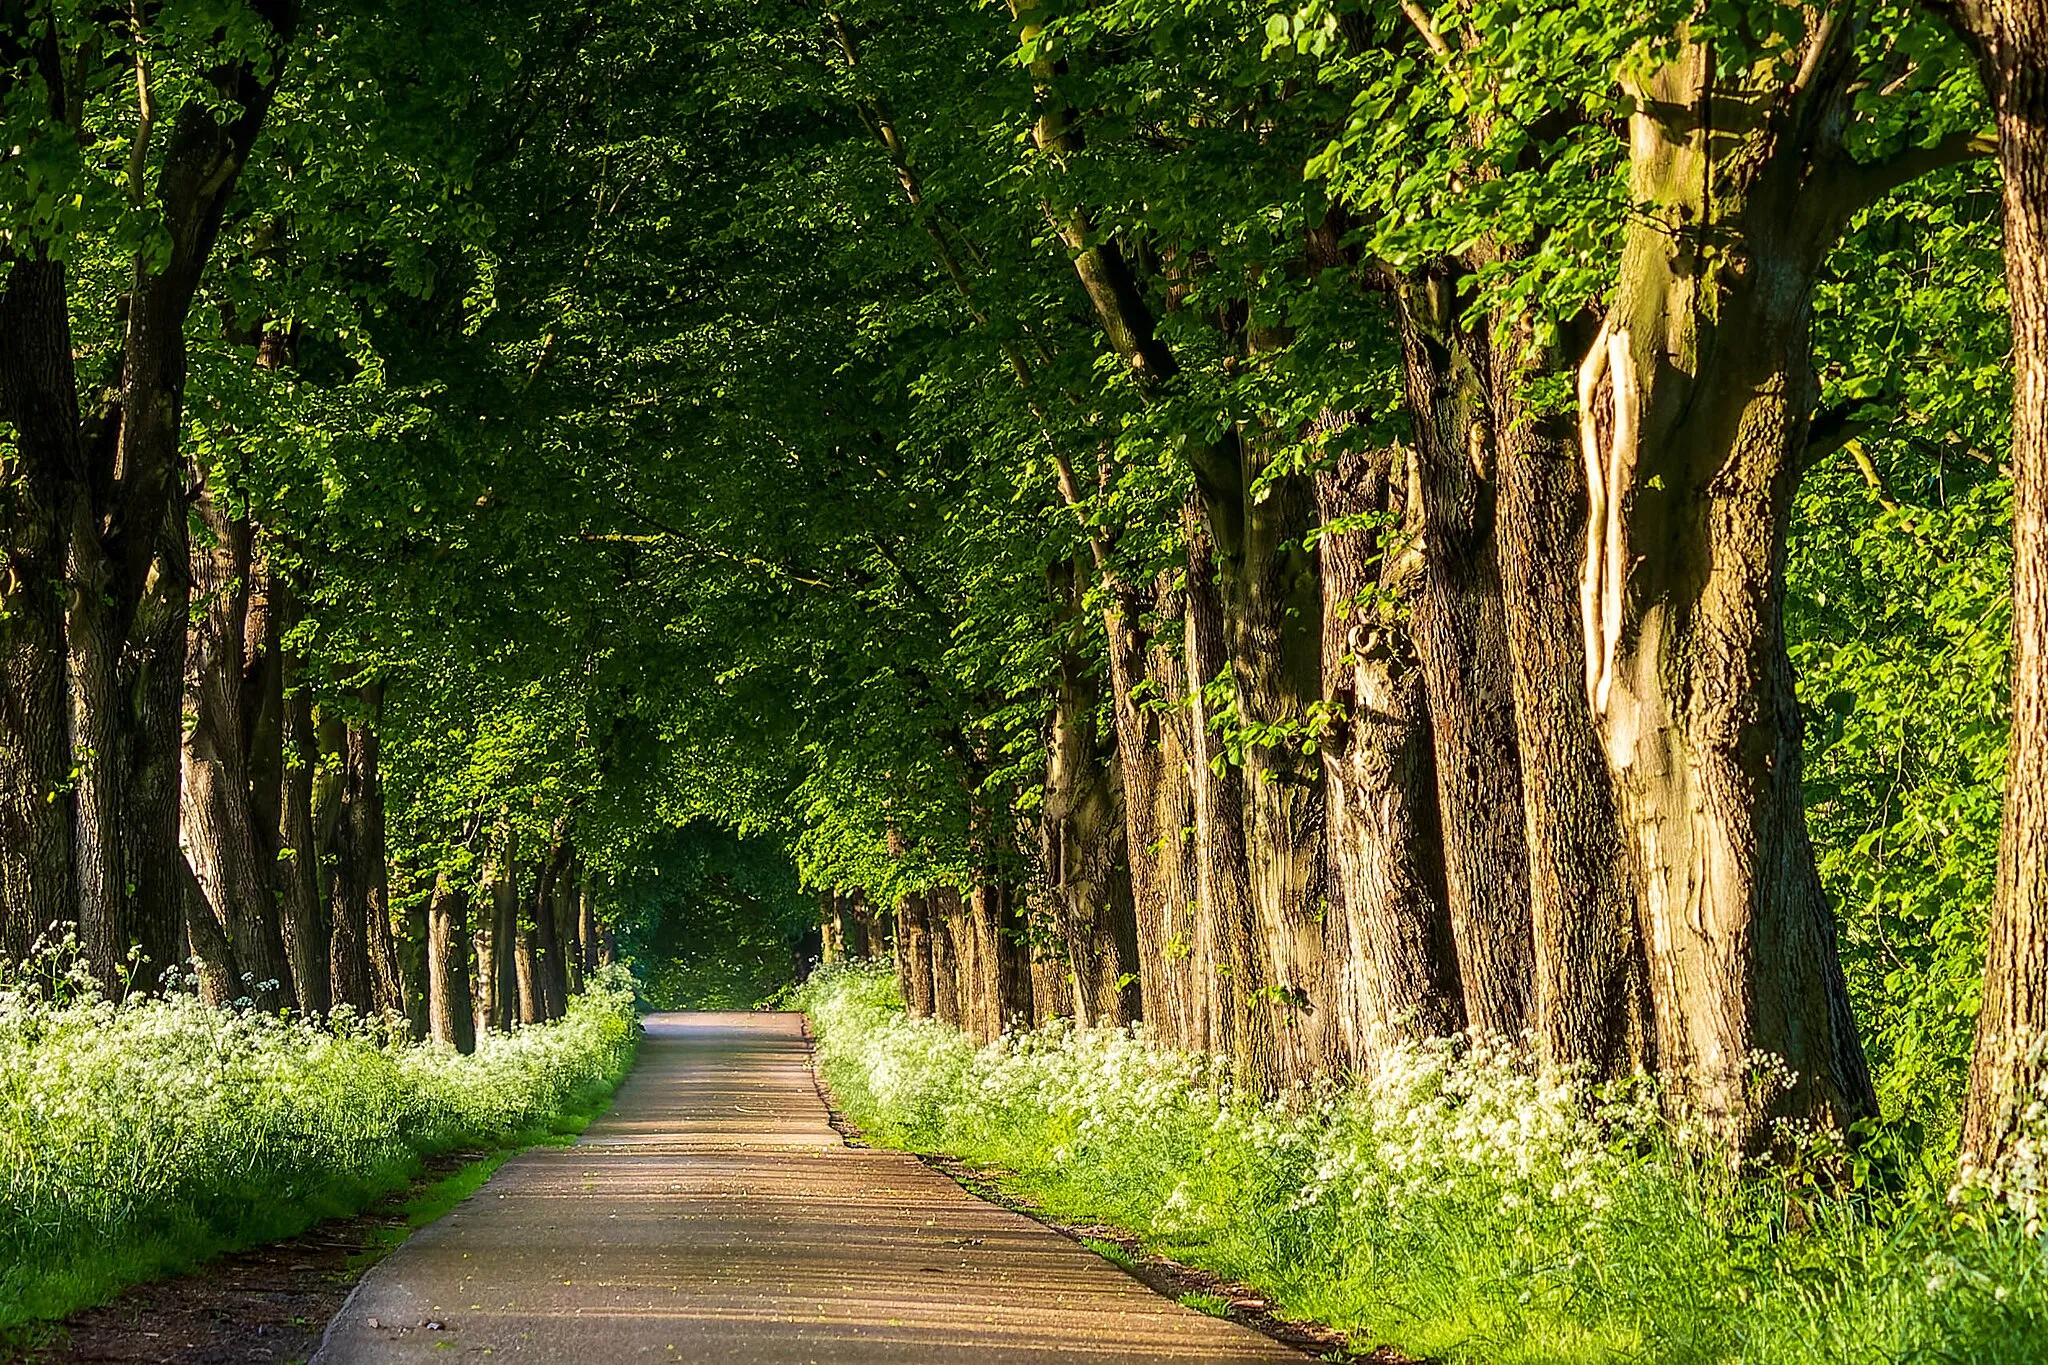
(264, 1305)
(1162, 1275)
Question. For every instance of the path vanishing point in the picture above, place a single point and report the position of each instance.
(713, 1216)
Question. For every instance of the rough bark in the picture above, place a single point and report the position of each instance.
(553, 984)
(497, 984)
(39, 400)
(363, 812)
(1272, 614)
(914, 954)
(1386, 852)
(1246, 1018)
(527, 988)
(207, 948)
(348, 953)
(1695, 401)
(943, 920)
(831, 933)
(2008, 1071)
(1151, 857)
(153, 681)
(302, 910)
(1084, 831)
(449, 1020)
(1592, 989)
(229, 853)
(1460, 635)
(1187, 965)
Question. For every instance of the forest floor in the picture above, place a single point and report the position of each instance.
(714, 1215)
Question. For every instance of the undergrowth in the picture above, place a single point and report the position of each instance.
(139, 1138)
(1460, 1205)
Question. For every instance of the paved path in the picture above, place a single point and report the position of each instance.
(713, 1216)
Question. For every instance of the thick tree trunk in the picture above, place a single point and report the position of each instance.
(1273, 619)
(2010, 1070)
(1695, 402)
(207, 947)
(1245, 1019)
(303, 910)
(831, 935)
(1151, 860)
(226, 848)
(39, 400)
(1386, 852)
(553, 985)
(449, 1021)
(363, 812)
(153, 680)
(997, 910)
(497, 985)
(1592, 989)
(348, 957)
(914, 954)
(1186, 967)
(528, 989)
(1083, 829)
(944, 916)
(1460, 634)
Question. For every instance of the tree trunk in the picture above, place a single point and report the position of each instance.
(528, 988)
(348, 898)
(553, 984)
(153, 680)
(1386, 851)
(1187, 964)
(363, 812)
(914, 955)
(1272, 612)
(1083, 830)
(449, 1021)
(1245, 1018)
(1460, 634)
(569, 925)
(2008, 1072)
(213, 957)
(586, 931)
(1592, 988)
(303, 910)
(497, 985)
(831, 936)
(998, 915)
(39, 400)
(943, 918)
(1695, 401)
(221, 835)
(1152, 860)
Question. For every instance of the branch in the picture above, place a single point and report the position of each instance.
(1855, 185)
(1424, 25)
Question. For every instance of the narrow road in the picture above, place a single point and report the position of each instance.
(713, 1216)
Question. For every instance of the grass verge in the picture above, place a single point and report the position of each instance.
(1458, 1205)
(140, 1140)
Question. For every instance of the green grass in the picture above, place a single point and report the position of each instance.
(1215, 1305)
(140, 1140)
(1111, 1252)
(1458, 1206)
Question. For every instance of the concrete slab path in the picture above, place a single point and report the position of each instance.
(713, 1216)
